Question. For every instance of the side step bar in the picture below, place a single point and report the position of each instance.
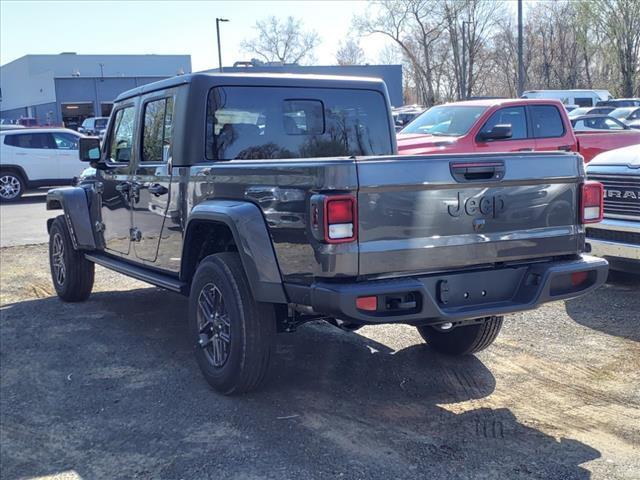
(140, 273)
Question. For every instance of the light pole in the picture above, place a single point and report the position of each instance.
(520, 60)
(218, 20)
(464, 59)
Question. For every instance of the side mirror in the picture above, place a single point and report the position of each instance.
(498, 132)
(89, 149)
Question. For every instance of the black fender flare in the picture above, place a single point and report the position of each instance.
(73, 201)
(251, 236)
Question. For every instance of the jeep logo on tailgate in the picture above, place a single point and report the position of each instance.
(487, 205)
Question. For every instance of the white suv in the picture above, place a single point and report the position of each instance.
(31, 158)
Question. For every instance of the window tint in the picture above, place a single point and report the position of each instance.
(65, 141)
(31, 140)
(122, 135)
(265, 122)
(546, 121)
(101, 123)
(514, 116)
(156, 140)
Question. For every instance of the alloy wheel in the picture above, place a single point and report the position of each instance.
(9, 187)
(214, 325)
(57, 258)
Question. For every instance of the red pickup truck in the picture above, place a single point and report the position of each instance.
(504, 125)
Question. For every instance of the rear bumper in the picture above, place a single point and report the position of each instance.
(464, 295)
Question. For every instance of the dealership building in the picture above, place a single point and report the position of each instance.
(67, 88)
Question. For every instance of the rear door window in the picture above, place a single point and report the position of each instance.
(277, 122)
(546, 121)
(156, 138)
(31, 140)
(513, 116)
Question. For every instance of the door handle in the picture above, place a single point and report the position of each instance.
(525, 149)
(565, 148)
(157, 189)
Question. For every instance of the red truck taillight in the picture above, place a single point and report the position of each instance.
(340, 219)
(591, 202)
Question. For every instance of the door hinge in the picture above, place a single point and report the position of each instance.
(99, 226)
(135, 234)
(99, 187)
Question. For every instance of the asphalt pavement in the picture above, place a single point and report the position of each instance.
(24, 222)
(109, 388)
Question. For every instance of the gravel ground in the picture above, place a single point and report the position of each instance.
(109, 389)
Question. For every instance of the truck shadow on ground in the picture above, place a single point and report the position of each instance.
(617, 303)
(109, 389)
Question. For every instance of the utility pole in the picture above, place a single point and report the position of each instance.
(218, 20)
(520, 60)
(463, 83)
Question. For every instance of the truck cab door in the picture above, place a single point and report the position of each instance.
(152, 181)
(519, 140)
(549, 129)
(116, 181)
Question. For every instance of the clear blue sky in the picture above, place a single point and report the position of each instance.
(165, 27)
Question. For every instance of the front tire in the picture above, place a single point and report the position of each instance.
(463, 340)
(12, 186)
(233, 334)
(71, 273)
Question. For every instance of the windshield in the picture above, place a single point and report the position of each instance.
(445, 120)
(621, 113)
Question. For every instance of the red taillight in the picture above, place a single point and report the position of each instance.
(591, 202)
(369, 304)
(340, 219)
(340, 211)
(578, 278)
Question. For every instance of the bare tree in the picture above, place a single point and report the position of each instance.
(619, 21)
(283, 41)
(350, 53)
(415, 26)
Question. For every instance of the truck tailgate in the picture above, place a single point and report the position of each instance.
(437, 212)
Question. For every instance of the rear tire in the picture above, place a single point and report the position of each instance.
(232, 333)
(463, 340)
(12, 186)
(71, 273)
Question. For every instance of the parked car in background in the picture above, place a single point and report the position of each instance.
(32, 158)
(94, 126)
(626, 114)
(582, 98)
(512, 125)
(579, 112)
(404, 115)
(597, 122)
(617, 237)
(620, 102)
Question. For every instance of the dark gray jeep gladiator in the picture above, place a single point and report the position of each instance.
(272, 200)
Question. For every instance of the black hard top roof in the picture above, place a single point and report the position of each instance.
(263, 79)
